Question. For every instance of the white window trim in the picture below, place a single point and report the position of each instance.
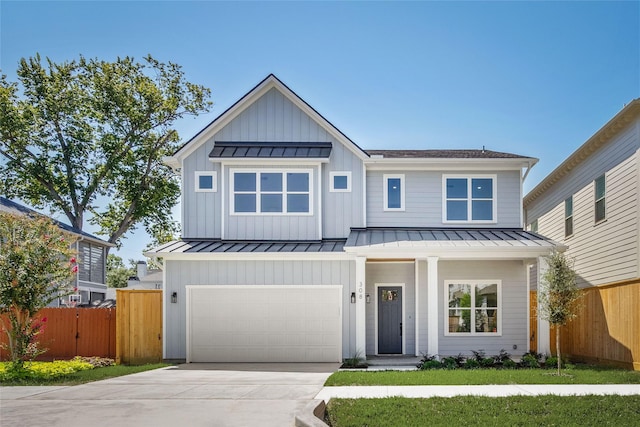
(232, 208)
(385, 195)
(469, 199)
(332, 189)
(214, 181)
(473, 332)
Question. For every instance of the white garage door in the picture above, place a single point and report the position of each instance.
(264, 323)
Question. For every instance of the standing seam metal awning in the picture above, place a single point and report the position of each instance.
(298, 150)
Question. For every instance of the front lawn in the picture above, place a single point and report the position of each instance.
(574, 375)
(493, 411)
(66, 372)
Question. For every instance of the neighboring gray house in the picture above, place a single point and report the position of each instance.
(299, 246)
(591, 203)
(91, 278)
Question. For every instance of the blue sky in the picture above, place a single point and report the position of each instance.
(532, 78)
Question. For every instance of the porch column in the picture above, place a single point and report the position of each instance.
(417, 308)
(544, 337)
(432, 305)
(361, 327)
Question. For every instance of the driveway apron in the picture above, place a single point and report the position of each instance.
(225, 395)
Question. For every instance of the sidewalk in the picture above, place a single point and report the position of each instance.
(425, 391)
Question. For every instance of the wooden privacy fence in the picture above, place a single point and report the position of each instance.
(70, 332)
(607, 329)
(139, 326)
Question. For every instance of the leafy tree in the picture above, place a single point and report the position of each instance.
(36, 268)
(117, 273)
(558, 295)
(77, 133)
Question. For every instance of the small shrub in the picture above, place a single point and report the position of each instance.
(509, 364)
(450, 363)
(529, 361)
(487, 362)
(355, 361)
(471, 364)
(426, 358)
(552, 362)
(502, 356)
(431, 364)
(479, 355)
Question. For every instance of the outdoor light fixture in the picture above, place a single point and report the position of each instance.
(174, 297)
(368, 299)
(353, 297)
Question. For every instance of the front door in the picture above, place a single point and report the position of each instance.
(390, 320)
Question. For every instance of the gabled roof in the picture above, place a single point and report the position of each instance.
(602, 137)
(269, 82)
(7, 205)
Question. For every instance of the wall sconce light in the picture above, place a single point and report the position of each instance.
(174, 297)
(353, 297)
(368, 299)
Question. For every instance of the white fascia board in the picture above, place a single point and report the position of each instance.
(260, 256)
(172, 161)
(447, 164)
(253, 161)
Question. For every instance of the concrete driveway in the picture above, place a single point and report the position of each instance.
(185, 395)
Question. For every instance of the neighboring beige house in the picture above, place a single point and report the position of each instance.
(92, 252)
(591, 203)
(144, 279)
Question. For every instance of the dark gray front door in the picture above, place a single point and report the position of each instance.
(390, 320)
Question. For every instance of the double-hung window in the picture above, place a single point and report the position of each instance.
(469, 199)
(600, 198)
(473, 307)
(568, 217)
(271, 192)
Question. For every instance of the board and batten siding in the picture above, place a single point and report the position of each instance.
(342, 210)
(269, 272)
(423, 199)
(515, 312)
(391, 274)
(606, 252)
(201, 212)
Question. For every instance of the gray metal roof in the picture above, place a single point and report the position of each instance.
(249, 246)
(271, 149)
(444, 154)
(446, 237)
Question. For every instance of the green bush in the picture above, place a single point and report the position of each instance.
(529, 361)
(43, 370)
(509, 364)
(431, 364)
(487, 362)
(471, 364)
(450, 363)
(427, 358)
(552, 362)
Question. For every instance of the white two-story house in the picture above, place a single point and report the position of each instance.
(300, 246)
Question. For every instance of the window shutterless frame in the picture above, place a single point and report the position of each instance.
(600, 208)
(568, 217)
(340, 182)
(472, 308)
(469, 199)
(393, 192)
(206, 182)
(271, 191)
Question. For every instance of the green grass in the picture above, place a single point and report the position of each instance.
(85, 376)
(576, 375)
(496, 411)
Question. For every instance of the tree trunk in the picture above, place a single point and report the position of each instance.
(558, 348)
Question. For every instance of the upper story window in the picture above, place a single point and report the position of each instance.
(473, 307)
(340, 182)
(91, 263)
(469, 199)
(534, 226)
(393, 197)
(600, 197)
(568, 217)
(271, 192)
(206, 182)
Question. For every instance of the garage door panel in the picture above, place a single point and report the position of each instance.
(264, 323)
